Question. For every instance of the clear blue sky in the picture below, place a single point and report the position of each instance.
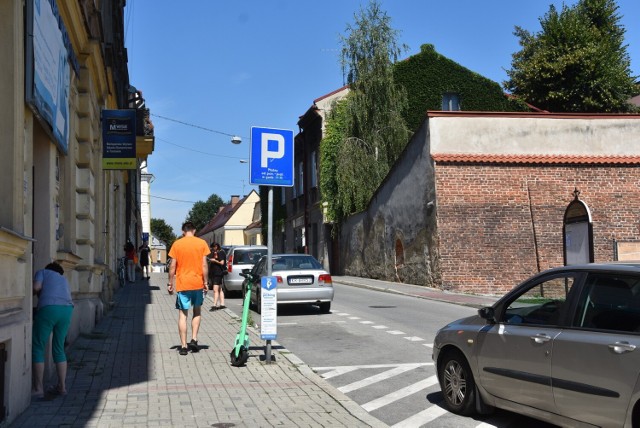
(227, 66)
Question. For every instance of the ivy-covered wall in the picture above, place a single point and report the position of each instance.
(428, 75)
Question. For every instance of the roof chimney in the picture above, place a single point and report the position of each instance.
(234, 200)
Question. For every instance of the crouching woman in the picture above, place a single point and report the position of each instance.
(53, 315)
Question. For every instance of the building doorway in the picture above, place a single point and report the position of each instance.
(577, 232)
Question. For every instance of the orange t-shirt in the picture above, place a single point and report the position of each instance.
(187, 253)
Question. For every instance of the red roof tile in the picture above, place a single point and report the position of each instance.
(534, 159)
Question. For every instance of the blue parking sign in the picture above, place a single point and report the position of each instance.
(271, 157)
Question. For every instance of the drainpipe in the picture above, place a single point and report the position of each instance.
(305, 193)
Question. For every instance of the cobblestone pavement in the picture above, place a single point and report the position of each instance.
(127, 373)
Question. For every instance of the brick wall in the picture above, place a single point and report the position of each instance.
(500, 223)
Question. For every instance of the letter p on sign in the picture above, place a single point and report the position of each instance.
(271, 154)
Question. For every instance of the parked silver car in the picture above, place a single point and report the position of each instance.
(300, 279)
(560, 347)
(240, 257)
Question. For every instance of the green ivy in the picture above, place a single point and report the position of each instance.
(428, 75)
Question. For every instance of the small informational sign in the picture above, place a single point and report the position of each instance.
(119, 139)
(628, 251)
(269, 308)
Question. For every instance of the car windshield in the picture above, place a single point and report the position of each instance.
(295, 263)
(249, 256)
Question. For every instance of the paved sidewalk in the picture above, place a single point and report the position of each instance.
(472, 300)
(127, 373)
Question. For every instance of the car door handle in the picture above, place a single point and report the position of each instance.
(541, 338)
(622, 347)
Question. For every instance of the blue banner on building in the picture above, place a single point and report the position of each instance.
(119, 139)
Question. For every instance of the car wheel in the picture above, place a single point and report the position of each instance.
(325, 307)
(458, 385)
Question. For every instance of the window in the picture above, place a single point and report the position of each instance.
(314, 170)
(450, 102)
(301, 178)
(609, 302)
(542, 304)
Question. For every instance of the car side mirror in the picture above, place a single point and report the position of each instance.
(487, 313)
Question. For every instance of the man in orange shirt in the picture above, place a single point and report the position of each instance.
(188, 276)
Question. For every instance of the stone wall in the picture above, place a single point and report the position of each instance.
(503, 183)
(395, 238)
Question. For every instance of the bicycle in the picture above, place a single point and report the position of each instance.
(122, 266)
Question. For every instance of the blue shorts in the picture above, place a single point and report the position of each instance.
(185, 299)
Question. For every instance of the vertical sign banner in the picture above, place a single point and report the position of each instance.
(271, 157)
(49, 94)
(268, 308)
(119, 139)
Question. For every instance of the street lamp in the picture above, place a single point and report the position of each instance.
(243, 161)
(236, 140)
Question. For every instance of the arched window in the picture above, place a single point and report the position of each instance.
(577, 232)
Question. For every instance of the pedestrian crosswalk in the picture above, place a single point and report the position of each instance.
(413, 388)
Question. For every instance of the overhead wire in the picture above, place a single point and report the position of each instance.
(194, 125)
(199, 151)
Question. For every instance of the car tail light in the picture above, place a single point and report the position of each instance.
(278, 279)
(325, 279)
(230, 263)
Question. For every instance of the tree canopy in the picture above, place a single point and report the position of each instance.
(162, 231)
(202, 212)
(578, 62)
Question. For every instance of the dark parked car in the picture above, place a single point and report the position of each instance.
(560, 347)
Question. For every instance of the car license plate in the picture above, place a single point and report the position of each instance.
(301, 280)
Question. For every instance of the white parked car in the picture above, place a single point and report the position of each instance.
(300, 279)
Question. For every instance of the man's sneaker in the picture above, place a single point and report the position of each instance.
(193, 346)
(183, 351)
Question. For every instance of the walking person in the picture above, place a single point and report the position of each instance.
(144, 251)
(52, 315)
(130, 255)
(188, 277)
(218, 261)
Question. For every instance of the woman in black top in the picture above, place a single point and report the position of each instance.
(218, 259)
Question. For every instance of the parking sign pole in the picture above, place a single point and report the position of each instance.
(271, 164)
(267, 352)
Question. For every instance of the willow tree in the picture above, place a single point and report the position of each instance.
(373, 131)
(578, 62)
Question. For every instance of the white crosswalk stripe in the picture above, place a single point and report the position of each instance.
(421, 418)
(399, 394)
(377, 378)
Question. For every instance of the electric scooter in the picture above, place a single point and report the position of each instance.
(240, 352)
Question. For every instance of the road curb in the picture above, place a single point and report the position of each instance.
(446, 298)
(347, 403)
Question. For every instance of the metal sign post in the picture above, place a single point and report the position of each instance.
(271, 164)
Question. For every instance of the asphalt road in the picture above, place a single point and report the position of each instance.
(376, 348)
